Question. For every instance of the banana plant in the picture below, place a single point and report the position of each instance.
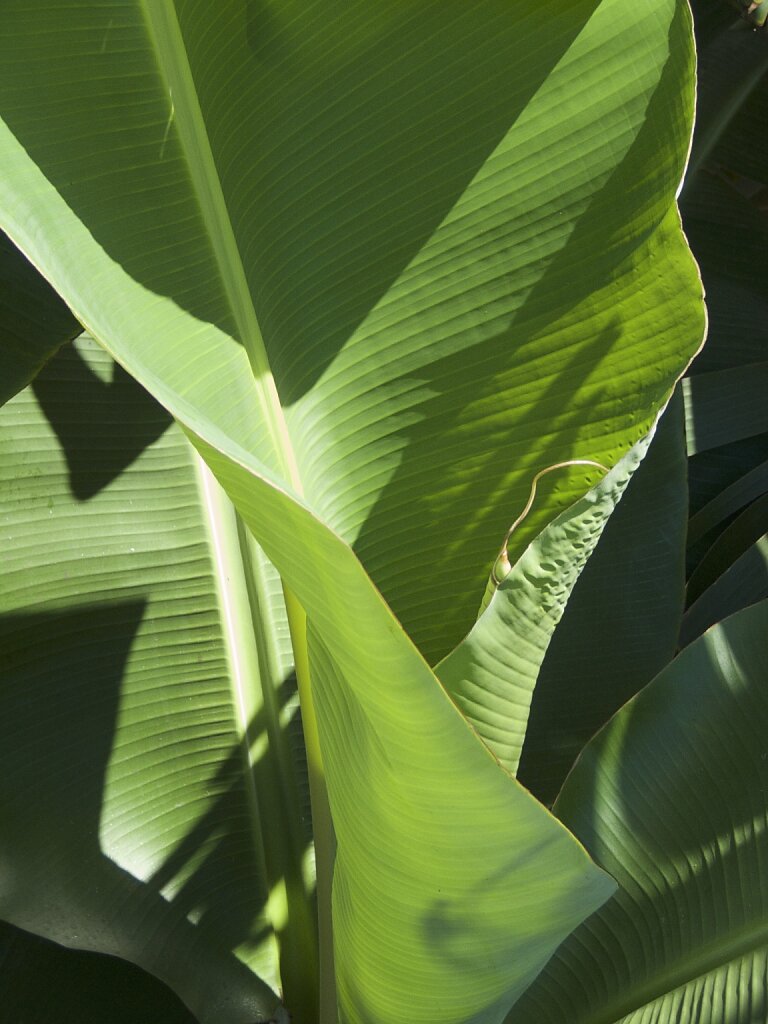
(350, 279)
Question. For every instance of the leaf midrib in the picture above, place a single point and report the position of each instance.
(186, 114)
(239, 640)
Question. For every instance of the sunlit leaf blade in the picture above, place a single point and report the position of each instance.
(435, 840)
(492, 673)
(454, 226)
(670, 797)
(126, 779)
(430, 748)
(34, 321)
(536, 881)
(621, 624)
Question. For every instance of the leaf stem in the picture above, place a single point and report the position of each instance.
(189, 124)
(322, 824)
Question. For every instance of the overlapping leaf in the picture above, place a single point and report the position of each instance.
(670, 798)
(742, 583)
(141, 781)
(723, 208)
(408, 765)
(447, 234)
(621, 624)
(492, 673)
(398, 753)
(454, 225)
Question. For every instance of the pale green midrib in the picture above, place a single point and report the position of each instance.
(252, 670)
(165, 34)
(298, 934)
(709, 958)
(173, 64)
(240, 645)
(263, 635)
(288, 791)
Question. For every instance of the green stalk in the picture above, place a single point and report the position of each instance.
(255, 675)
(186, 116)
(322, 824)
(293, 914)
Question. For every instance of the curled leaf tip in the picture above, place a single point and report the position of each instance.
(502, 566)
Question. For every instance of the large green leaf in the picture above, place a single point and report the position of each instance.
(455, 226)
(503, 869)
(140, 783)
(670, 798)
(451, 883)
(336, 291)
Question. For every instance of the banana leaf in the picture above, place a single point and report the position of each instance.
(670, 798)
(381, 268)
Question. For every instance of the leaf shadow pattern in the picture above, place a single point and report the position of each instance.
(585, 399)
(102, 427)
(327, 206)
(456, 936)
(669, 798)
(56, 735)
(334, 226)
(458, 540)
(518, 949)
(198, 892)
(34, 321)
